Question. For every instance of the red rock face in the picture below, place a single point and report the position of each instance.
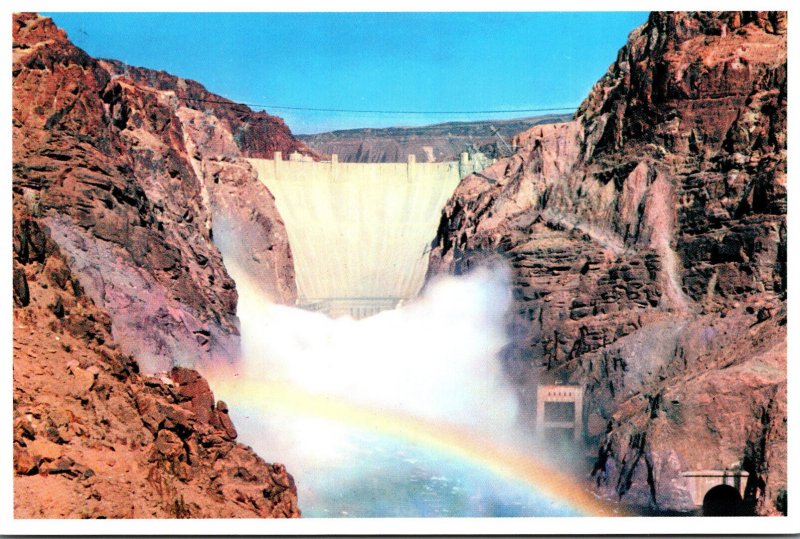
(119, 194)
(94, 438)
(135, 184)
(648, 243)
(256, 134)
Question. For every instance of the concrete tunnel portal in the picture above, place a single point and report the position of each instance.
(360, 233)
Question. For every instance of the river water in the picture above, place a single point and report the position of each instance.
(373, 475)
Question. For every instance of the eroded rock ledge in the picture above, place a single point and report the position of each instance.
(95, 438)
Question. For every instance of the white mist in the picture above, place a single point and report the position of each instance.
(435, 359)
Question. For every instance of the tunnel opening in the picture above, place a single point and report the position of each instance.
(559, 411)
(723, 501)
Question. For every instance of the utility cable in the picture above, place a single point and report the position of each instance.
(356, 111)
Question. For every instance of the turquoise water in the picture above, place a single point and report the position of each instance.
(388, 478)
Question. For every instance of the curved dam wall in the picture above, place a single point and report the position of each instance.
(359, 232)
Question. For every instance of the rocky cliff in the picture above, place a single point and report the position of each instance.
(94, 437)
(139, 177)
(129, 188)
(439, 142)
(648, 242)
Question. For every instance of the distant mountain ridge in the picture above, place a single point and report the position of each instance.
(436, 142)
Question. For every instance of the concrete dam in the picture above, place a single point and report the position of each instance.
(360, 232)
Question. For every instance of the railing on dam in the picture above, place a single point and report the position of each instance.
(360, 230)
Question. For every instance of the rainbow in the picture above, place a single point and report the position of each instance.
(448, 439)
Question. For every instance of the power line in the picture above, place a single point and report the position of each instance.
(355, 111)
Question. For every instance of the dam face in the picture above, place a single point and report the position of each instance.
(360, 232)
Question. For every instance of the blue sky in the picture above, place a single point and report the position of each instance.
(369, 61)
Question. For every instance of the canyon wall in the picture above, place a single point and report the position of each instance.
(647, 238)
(141, 186)
(129, 188)
(95, 438)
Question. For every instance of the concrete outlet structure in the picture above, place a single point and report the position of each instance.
(559, 408)
(699, 482)
(360, 232)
